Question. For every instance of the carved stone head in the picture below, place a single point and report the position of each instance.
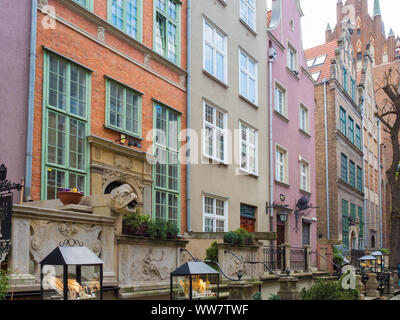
(123, 199)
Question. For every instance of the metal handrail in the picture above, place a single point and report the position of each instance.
(215, 262)
(331, 262)
(256, 262)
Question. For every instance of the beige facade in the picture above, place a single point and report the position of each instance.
(219, 28)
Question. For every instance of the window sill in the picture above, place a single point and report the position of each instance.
(280, 115)
(307, 193)
(215, 161)
(248, 173)
(294, 73)
(304, 133)
(128, 134)
(248, 101)
(282, 184)
(250, 29)
(224, 3)
(225, 85)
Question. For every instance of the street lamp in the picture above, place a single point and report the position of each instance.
(283, 216)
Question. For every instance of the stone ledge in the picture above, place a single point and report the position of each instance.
(237, 246)
(127, 239)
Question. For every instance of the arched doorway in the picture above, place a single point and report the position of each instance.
(353, 240)
(373, 242)
(112, 186)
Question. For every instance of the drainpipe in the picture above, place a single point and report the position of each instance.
(31, 101)
(272, 57)
(380, 185)
(325, 81)
(188, 111)
(363, 168)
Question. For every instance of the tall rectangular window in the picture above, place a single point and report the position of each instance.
(167, 29)
(351, 129)
(343, 120)
(248, 77)
(344, 168)
(345, 223)
(126, 16)
(215, 125)
(215, 215)
(304, 120)
(306, 232)
(123, 109)
(359, 179)
(166, 171)
(358, 137)
(65, 126)
(353, 89)
(248, 12)
(280, 100)
(281, 165)
(214, 52)
(304, 176)
(352, 174)
(249, 149)
(292, 58)
(345, 80)
(361, 223)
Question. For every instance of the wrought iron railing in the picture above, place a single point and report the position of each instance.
(355, 258)
(274, 258)
(298, 259)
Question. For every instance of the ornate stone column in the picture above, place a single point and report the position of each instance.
(372, 286)
(288, 288)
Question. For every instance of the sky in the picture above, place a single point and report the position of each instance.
(317, 14)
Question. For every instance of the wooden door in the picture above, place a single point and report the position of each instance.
(248, 223)
(280, 232)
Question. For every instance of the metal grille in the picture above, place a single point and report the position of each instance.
(298, 259)
(355, 256)
(274, 258)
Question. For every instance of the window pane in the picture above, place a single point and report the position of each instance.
(220, 66)
(220, 227)
(117, 13)
(160, 42)
(171, 42)
(209, 205)
(161, 205)
(131, 18)
(57, 83)
(55, 182)
(132, 112)
(209, 60)
(208, 225)
(56, 138)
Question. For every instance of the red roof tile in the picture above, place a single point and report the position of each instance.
(327, 49)
(269, 16)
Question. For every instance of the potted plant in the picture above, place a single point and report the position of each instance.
(70, 196)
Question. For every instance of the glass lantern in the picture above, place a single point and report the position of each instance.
(71, 273)
(379, 261)
(194, 281)
(368, 263)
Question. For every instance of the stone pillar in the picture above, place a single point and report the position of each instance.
(360, 286)
(308, 258)
(286, 258)
(393, 284)
(288, 288)
(19, 255)
(241, 290)
(372, 286)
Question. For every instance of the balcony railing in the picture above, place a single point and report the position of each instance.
(274, 258)
(298, 259)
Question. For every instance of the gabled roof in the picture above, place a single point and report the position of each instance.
(328, 50)
(195, 268)
(71, 256)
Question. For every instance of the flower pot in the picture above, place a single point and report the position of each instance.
(68, 197)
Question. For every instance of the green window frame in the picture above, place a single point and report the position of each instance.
(167, 29)
(351, 130)
(358, 137)
(352, 174)
(88, 4)
(345, 223)
(353, 89)
(66, 106)
(359, 179)
(167, 169)
(123, 109)
(343, 120)
(361, 223)
(353, 211)
(344, 175)
(127, 16)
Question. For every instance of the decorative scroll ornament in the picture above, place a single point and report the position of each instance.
(71, 243)
(5, 246)
(68, 229)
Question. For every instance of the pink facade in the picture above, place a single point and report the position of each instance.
(293, 127)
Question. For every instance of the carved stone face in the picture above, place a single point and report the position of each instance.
(123, 199)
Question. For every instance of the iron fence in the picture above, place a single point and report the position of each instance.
(274, 258)
(298, 259)
(355, 257)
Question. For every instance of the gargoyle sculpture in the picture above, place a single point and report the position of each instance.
(123, 199)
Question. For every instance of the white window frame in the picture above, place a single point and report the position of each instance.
(215, 50)
(244, 15)
(279, 164)
(248, 77)
(306, 175)
(280, 88)
(304, 126)
(215, 129)
(214, 215)
(293, 50)
(248, 146)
